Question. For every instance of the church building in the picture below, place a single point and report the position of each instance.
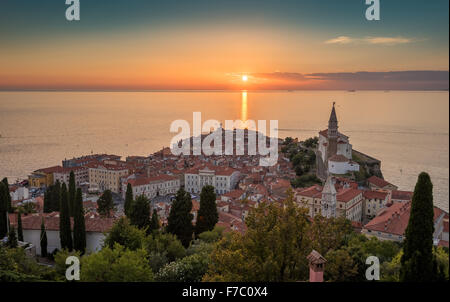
(335, 149)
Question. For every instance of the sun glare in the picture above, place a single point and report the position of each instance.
(244, 78)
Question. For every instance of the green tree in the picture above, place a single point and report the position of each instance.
(48, 199)
(165, 244)
(12, 238)
(72, 194)
(340, 266)
(105, 204)
(207, 215)
(125, 234)
(188, 269)
(17, 266)
(65, 233)
(3, 210)
(56, 196)
(19, 227)
(116, 265)
(140, 212)
(43, 239)
(418, 261)
(154, 223)
(180, 217)
(273, 249)
(79, 227)
(8, 196)
(128, 200)
(328, 233)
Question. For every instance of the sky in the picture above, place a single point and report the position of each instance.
(212, 44)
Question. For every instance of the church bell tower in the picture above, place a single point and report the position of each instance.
(332, 133)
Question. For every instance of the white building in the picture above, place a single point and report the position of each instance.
(223, 179)
(95, 231)
(19, 193)
(339, 164)
(63, 176)
(335, 149)
(151, 187)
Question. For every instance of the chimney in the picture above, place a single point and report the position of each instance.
(316, 266)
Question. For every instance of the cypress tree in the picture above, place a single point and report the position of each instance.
(19, 227)
(154, 223)
(8, 196)
(207, 215)
(140, 212)
(72, 193)
(79, 228)
(56, 197)
(48, 203)
(12, 238)
(3, 211)
(180, 217)
(65, 233)
(418, 262)
(128, 200)
(43, 240)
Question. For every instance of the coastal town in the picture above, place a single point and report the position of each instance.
(324, 174)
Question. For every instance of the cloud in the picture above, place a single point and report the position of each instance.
(371, 40)
(364, 80)
(340, 40)
(388, 40)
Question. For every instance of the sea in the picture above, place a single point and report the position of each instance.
(408, 131)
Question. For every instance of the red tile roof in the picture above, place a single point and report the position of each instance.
(339, 158)
(50, 170)
(379, 182)
(345, 195)
(392, 220)
(375, 195)
(402, 195)
(33, 222)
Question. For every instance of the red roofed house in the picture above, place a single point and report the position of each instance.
(391, 223)
(379, 183)
(224, 179)
(349, 204)
(151, 187)
(81, 175)
(401, 196)
(374, 201)
(31, 225)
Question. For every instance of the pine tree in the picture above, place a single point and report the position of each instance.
(418, 262)
(8, 197)
(180, 217)
(154, 223)
(140, 212)
(207, 215)
(72, 193)
(65, 233)
(128, 200)
(105, 204)
(79, 228)
(12, 238)
(3, 211)
(43, 240)
(19, 227)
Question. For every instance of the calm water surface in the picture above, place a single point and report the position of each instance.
(407, 131)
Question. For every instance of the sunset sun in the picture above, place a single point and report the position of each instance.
(245, 78)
